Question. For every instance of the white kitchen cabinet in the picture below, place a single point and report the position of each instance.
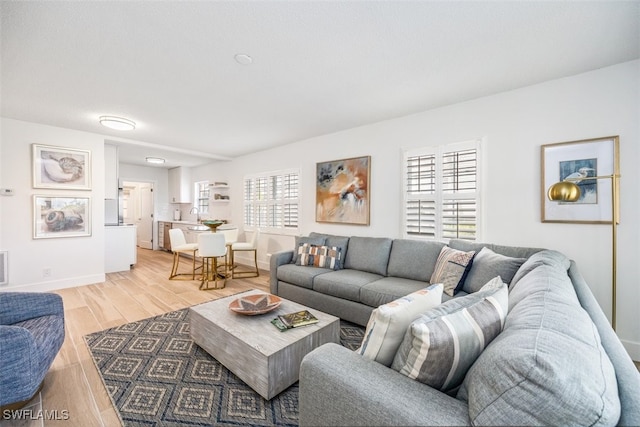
(120, 251)
(180, 185)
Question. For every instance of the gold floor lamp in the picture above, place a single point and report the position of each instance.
(568, 191)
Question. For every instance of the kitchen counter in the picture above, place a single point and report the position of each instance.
(120, 248)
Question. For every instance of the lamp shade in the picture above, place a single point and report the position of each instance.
(564, 191)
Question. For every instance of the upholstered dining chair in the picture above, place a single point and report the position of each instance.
(211, 247)
(249, 246)
(179, 246)
(230, 233)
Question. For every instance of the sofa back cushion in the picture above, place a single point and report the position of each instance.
(370, 254)
(553, 368)
(488, 264)
(413, 259)
(510, 251)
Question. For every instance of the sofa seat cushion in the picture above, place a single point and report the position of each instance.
(553, 368)
(300, 275)
(388, 289)
(413, 259)
(370, 254)
(344, 283)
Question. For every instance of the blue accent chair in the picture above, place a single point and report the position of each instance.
(31, 334)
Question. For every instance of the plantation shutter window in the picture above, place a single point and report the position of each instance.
(441, 191)
(271, 200)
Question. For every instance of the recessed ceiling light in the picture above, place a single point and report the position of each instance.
(117, 123)
(155, 160)
(243, 59)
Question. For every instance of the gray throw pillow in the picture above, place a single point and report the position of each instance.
(486, 265)
(301, 240)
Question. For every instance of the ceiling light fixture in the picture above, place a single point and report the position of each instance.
(243, 59)
(117, 123)
(155, 160)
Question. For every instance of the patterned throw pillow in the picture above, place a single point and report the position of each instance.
(440, 346)
(300, 240)
(451, 268)
(319, 256)
(389, 322)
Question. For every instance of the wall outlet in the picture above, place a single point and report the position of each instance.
(46, 272)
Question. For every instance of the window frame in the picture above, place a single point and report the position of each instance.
(432, 202)
(271, 203)
(197, 188)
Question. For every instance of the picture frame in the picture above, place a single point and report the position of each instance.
(61, 216)
(343, 191)
(61, 167)
(578, 161)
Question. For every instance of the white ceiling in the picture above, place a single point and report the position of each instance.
(318, 66)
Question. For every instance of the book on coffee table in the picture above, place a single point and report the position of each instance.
(294, 320)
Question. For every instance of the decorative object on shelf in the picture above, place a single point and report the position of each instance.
(255, 304)
(60, 167)
(600, 162)
(342, 191)
(61, 217)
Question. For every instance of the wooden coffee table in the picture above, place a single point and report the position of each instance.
(252, 348)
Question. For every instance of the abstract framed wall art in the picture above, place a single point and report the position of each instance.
(343, 191)
(586, 163)
(59, 167)
(55, 216)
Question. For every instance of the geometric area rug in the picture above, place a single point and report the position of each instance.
(156, 375)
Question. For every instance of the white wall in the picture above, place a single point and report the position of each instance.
(73, 261)
(515, 124)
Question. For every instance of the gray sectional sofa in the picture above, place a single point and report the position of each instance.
(556, 362)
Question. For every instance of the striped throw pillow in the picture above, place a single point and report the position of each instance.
(440, 347)
(319, 256)
(451, 269)
(389, 322)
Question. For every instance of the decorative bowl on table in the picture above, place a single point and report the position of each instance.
(255, 304)
(212, 224)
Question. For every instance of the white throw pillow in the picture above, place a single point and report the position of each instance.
(389, 322)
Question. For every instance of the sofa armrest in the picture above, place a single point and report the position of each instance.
(17, 363)
(340, 387)
(20, 306)
(277, 259)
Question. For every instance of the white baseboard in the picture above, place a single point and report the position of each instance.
(54, 285)
(633, 348)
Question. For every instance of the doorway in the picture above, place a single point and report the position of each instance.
(137, 201)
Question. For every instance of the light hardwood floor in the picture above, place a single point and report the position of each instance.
(73, 391)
